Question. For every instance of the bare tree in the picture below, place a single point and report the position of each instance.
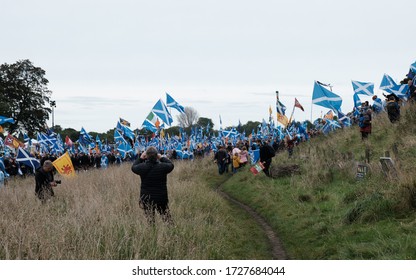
(189, 118)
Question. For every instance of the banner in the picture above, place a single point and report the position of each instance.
(64, 165)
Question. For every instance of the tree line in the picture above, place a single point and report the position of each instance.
(25, 97)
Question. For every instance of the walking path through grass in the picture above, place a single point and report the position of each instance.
(276, 246)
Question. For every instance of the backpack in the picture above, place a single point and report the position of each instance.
(361, 123)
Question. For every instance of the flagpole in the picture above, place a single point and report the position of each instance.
(291, 115)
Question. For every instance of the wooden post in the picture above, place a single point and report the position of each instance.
(395, 151)
(367, 155)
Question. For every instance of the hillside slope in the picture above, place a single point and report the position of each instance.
(326, 212)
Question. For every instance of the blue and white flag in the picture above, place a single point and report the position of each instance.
(254, 156)
(357, 101)
(377, 105)
(280, 108)
(363, 88)
(161, 111)
(344, 119)
(2, 167)
(124, 149)
(27, 159)
(325, 98)
(85, 136)
(170, 102)
(387, 82)
(118, 138)
(413, 67)
(4, 120)
(126, 131)
(399, 90)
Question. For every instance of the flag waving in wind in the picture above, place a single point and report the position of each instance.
(27, 159)
(363, 88)
(161, 111)
(387, 82)
(297, 104)
(64, 166)
(280, 108)
(4, 120)
(325, 98)
(170, 102)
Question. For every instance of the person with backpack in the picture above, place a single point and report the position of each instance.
(393, 109)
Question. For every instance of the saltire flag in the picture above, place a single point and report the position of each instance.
(68, 141)
(399, 90)
(377, 105)
(85, 136)
(170, 102)
(161, 111)
(413, 67)
(124, 122)
(124, 148)
(64, 166)
(357, 101)
(26, 138)
(387, 82)
(99, 143)
(27, 159)
(280, 108)
(325, 98)
(363, 88)
(6, 120)
(118, 138)
(125, 130)
(2, 166)
(344, 119)
(254, 156)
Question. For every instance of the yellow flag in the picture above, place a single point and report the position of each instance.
(64, 165)
(282, 119)
(1, 129)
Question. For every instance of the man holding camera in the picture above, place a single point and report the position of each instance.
(45, 181)
(153, 170)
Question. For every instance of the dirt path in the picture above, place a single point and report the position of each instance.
(277, 249)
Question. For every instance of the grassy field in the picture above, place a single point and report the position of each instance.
(97, 216)
(325, 212)
(322, 213)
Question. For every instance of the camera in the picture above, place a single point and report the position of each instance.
(58, 182)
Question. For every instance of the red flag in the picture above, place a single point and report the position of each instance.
(297, 104)
(68, 141)
(12, 142)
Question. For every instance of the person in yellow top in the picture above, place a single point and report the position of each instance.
(236, 162)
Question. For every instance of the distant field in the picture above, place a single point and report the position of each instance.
(97, 216)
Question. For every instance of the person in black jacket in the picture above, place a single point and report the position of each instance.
(266, 154)
(153, 170)
(45, 181)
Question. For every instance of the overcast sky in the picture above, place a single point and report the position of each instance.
(110, 59)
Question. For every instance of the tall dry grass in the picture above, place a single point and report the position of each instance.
(97, 216)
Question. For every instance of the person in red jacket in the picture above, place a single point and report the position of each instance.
(153, 170)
